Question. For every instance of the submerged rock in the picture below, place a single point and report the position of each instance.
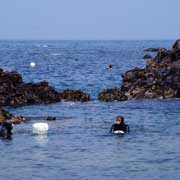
(19, 119)
(5, 115)
(159, 79)
(50, 118)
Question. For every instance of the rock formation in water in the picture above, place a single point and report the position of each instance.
(15, 92)
(74, 95)
(147, 56)
(112, 95)
(153, 49)
(5, 115)
(159, 79)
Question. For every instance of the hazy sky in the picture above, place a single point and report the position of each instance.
(89, 19)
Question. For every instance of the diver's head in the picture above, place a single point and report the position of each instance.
(119, 120)
(109, 67)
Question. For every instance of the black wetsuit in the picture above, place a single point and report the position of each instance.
(6, 129)
(119, 127)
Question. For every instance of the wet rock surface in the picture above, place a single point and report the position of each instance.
(15, 92)
(152, 49)
(5, 115)
(112, 95)
(74, 95)
(160, 78)
(176, 45)
(147, 56)
(50, 118)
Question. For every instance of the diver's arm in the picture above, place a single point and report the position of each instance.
(127, 129)
(112, 129)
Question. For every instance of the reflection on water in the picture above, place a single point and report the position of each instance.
(41, 139)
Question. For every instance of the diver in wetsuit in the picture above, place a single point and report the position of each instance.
(119, 125)
(6, 129)
(109, 67)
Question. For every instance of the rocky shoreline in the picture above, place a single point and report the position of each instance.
(160, 79)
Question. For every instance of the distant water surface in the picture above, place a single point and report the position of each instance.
(79, 146)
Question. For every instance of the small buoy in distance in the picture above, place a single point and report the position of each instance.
(40, 128)
(32, 64)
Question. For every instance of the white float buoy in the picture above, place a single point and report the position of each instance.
(32, 64)
(40, 128)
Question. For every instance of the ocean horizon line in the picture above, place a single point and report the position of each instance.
(14, 39)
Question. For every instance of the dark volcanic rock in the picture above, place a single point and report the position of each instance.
(14, 92)
(51, 118)
(112, 95)
(27, 93)
(5, 115)
(152, 50)
(176, 45)
(159, 79)
(147, 56)
(74, 95)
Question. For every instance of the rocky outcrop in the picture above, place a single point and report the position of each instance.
(50, 118)
(5, 115)
(159, 79)
(112, 95)
(15, 92)
(154, 49)
(74, 95)
(147, 56)
(176, 45)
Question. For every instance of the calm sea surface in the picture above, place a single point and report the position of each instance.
(79, 146)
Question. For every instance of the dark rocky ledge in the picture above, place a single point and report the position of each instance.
(5, 115)
(160, 78)
(74, 95)
(153, 49)
(112, 95)
(15, 92)
(147, 56)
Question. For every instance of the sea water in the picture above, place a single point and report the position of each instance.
(79, 145)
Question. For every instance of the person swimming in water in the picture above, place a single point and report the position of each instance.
(109, 67)
(119, 127)
(6, 128)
